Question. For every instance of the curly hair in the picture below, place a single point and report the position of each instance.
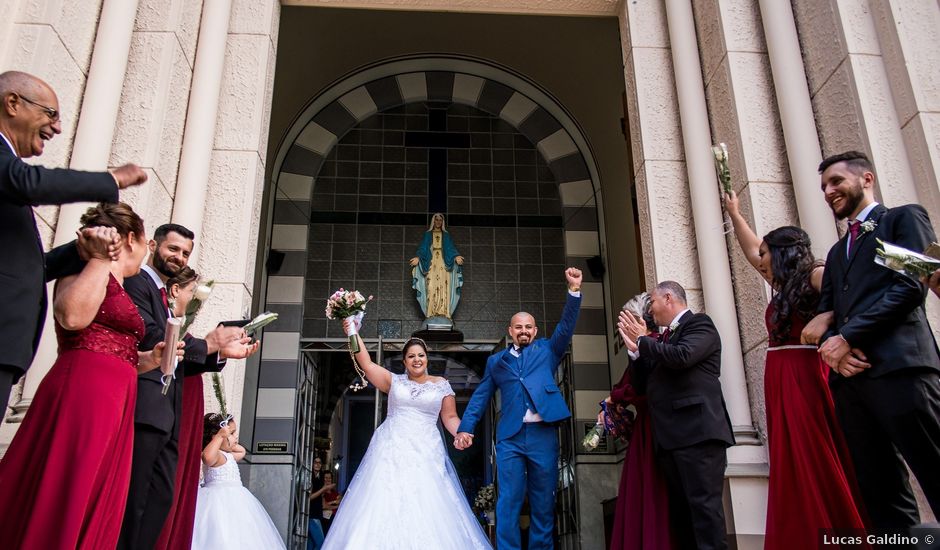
(210, 426)
(791, 264)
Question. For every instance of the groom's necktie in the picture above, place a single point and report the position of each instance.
(166, 302)
(853, 234)
(665, 337)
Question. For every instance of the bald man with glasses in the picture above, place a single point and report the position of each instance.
(29, 117)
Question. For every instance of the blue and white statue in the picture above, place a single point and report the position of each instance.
(437, 275)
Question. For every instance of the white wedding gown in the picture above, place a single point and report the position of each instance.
(228, 516)
(405, 494)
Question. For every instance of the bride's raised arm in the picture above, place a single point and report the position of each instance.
(378, 376)
(449, 415)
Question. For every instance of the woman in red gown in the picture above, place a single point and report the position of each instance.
(65, 476)
(812, 482)
(178, 529)
(641, 518)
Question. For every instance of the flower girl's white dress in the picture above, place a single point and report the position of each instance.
(228, 516)
(405, 494)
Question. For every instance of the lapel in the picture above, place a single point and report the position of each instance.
(507, 360)
(682, 321)
(875, 216)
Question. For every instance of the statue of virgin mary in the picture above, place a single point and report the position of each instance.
(437, 275)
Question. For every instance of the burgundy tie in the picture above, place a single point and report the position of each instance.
(853, 233)
(665, 336)
(166, 302)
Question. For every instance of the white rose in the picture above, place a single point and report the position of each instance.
(202, 292)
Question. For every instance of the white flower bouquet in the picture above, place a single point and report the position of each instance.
(593, 437)
(485, 503)
(200, 295)
(721, 165)
(906, 262)
(350, 305)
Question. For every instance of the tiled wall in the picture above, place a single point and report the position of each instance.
(370, 208)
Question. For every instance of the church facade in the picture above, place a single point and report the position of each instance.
(308, 142)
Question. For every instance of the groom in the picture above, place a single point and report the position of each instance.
(526, 437)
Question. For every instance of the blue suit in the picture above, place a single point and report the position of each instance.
(526, 453)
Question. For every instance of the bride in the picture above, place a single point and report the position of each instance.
(405, 494)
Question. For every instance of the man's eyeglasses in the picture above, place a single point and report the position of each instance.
(50, 112)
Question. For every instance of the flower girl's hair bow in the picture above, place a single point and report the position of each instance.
(228, 418)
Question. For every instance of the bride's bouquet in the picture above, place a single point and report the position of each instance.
(349, 305)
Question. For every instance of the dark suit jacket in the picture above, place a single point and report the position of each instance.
(877, 310)
(24, 269)
(683, 390)
(153, 408)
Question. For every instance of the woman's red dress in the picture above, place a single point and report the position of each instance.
(178, 528)
(641, 519)
(812, 482)
(65, 476)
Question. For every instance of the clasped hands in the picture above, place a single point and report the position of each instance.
(835, 351)
(463, 440)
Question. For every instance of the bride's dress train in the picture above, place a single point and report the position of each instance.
(405, 494)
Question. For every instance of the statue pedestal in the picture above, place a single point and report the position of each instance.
(439, 329)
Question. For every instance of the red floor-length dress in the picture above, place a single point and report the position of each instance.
(641, 519)
(812, 481)
(65, 476)
(178, 529)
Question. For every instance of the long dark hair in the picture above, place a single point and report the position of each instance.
(791, 264)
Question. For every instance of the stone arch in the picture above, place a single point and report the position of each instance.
(386, 85)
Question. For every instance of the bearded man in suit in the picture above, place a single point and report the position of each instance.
(526, 437)
(874, 335)
(156, 418)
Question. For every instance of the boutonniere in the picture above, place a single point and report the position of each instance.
(867, 226)
(673, 326)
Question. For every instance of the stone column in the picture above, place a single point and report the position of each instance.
(229, 231)
(707, 215)
(92, 146)
(851, 91)
(193, 177)
(799, 129)
(746, 476)
(871, 68)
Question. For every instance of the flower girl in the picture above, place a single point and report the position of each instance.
(227, 514)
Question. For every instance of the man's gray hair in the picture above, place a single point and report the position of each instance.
(672, 287)
(639, 305)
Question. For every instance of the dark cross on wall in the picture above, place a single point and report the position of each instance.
(438, 140)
